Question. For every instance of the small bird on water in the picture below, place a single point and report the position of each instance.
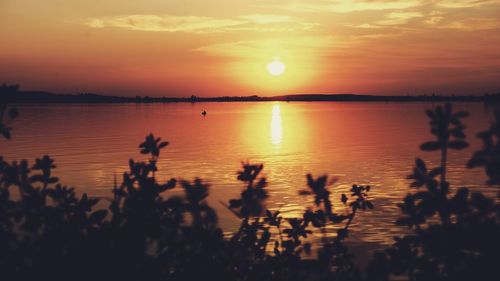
(204, 113)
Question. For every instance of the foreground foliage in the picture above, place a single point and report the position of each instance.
(146, 233)
(455, 234)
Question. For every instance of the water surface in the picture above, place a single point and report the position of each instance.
(359, 143)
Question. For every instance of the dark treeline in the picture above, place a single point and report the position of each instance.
(11, 94)
(145, 232)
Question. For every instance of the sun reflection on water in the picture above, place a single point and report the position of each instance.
(276, 125)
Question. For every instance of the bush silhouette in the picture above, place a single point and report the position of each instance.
(489, 155)
(145, 233)
(454, 234)
(7, 115)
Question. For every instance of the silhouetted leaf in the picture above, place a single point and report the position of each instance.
(344, 199)
(97, 217)
(430, 146)
(458, 133)
(458, 144)
(169, 185)
(421, 165)
(460, 114)
(13, 112)
(6, 133)
(304, 192)
(430, 113)
(53, 180)
(434, 172)
(235, 203)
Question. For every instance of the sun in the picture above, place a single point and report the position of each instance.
(276, 67)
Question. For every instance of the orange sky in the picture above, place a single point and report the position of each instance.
(220, 47)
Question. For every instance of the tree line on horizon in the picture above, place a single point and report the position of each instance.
(11, 94)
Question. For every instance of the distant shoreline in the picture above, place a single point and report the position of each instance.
(47, 97)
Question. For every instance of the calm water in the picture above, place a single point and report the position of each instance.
(360, 143)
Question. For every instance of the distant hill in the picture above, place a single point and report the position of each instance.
(372, 98)
(47, 97)
(11, 94)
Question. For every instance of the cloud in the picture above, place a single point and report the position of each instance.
(347, 6)
(397, 18)
(257, 48)
(466, 3)
(473, 24)
(163, 23)
(434, 20)
(195, 24)
(364, 25)
(390, 20)
(434, 17)
(266, 18)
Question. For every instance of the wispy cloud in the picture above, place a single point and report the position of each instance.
(392, 19)
(195, 24)
(364, 25)
(434, 17)
(250, 48)
(473, 24)
(466, 3)
(163, 23)
(397, 18)
(266, 18)
(347, 6)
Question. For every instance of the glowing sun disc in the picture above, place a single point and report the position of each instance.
(276, 68)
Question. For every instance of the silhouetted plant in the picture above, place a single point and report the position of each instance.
(256, 235)
(252, 197)
(43, 224)
(147, 233)
(334, 254)
(46, 230)
(462, 242)
(489, 155)
(7, 115)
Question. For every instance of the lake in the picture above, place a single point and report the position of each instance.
(358, 143)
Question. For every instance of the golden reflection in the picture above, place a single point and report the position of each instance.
(275, 132)
(276, 125)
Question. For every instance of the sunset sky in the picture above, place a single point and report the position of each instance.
(220, 47)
